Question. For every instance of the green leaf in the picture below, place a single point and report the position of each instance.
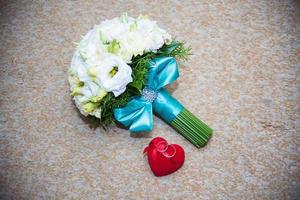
(137, 84)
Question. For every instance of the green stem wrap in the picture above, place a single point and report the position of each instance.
(187, 124)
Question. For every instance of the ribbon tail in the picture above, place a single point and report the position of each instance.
(143, 123)
(137, 115)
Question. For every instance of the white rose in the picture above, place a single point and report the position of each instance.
(111, 29)
(91, 49)
(94, 53)
(78, 68)
(145, 25)
(155, 41)
(131, 44)
(154, 37)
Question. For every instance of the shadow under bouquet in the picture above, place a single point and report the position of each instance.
(119, 71)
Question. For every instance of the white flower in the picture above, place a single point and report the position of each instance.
(155, 40)
(78, 68)
(91, 49)
(114, 74)
(111, 29)
(90, 96)
(99, 64)
(94, 53)
(145, 25)
(131, 44)
(153, 36)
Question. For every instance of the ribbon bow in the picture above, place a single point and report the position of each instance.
(138, 113)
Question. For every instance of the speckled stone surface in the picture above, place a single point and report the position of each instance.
(243, 80)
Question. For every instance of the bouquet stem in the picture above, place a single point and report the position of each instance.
(192, 128)
(187, 124)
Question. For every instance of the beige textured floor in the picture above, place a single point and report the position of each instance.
(243, 80)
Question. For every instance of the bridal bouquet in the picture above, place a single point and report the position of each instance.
(119, 71)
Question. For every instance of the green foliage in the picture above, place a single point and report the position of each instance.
(139, 67)
(175, 49)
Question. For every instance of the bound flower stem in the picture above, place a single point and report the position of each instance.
(192, 128)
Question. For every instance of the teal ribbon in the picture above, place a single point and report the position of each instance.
(138, 112)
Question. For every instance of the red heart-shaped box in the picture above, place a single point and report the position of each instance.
(165, 163)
